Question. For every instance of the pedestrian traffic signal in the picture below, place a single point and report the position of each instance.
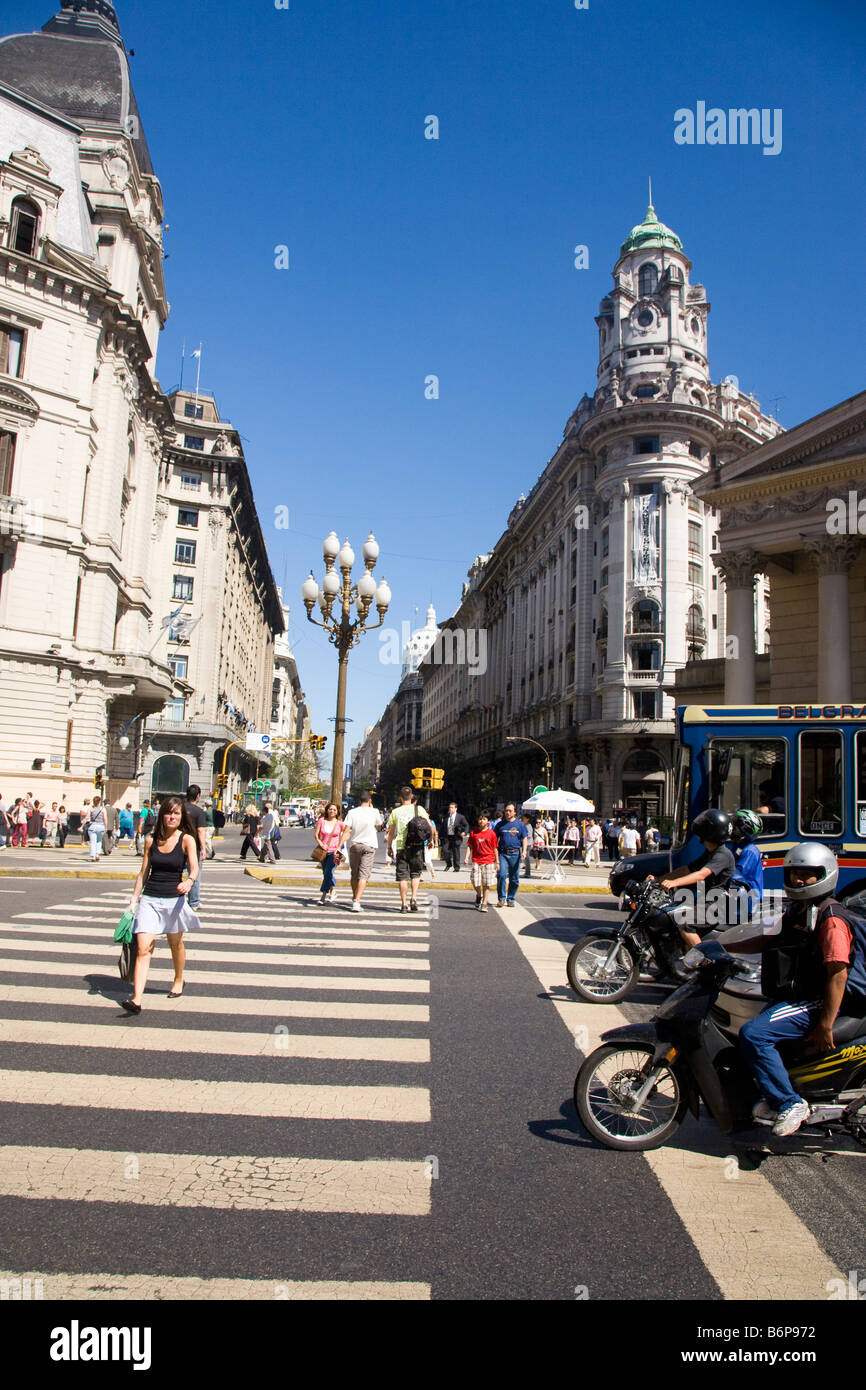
(428, 778)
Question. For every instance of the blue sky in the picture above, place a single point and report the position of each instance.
(411, 257)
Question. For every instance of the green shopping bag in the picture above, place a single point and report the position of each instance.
(123, 930)
(124, 934)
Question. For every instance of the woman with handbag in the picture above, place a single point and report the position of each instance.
(329, 830)
(159, 898)
(96, 827)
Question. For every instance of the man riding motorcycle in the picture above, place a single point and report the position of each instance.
(749, 867)
(714, 868)
(813, 969)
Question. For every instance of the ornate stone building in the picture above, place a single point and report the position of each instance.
(603, 585)
(82, 421)
(215, 580)
(793, 513)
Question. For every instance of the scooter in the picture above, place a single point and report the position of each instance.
(604, 966)
(634, 1090)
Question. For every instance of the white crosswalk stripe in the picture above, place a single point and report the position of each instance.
(268, 957)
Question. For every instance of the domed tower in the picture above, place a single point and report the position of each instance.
(656, 422)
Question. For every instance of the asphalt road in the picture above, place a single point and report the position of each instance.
(522, 1205)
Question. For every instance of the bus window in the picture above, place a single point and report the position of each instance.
(860, 785)
(750, 774)
(821, 782)
(680, 829)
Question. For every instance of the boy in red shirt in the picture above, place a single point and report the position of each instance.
(482, 848)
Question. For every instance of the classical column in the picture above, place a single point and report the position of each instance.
(833, 558)
(738, 570)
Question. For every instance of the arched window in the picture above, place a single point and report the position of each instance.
(645, 616)
(602, 626)
(25, 227)
(696, 632)
(648, 279)
(170, 776)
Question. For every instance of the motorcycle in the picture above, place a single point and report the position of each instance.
(633, 1091)
(604, 966)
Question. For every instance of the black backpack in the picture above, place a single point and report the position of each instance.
(418, 832)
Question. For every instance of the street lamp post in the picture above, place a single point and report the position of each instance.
(342, 629)
(514, 738)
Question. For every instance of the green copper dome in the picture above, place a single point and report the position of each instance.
(650, 232)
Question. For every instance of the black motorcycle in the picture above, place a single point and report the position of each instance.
(604, 966)
(633, 1091)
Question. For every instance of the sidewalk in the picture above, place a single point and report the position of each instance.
(123, 863)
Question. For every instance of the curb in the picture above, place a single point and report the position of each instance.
(434, 886)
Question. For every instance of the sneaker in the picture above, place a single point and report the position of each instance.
(791, 1118)
(356, 907)
(484, 908)
(764, 1114)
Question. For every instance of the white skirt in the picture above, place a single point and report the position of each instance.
(165, 916)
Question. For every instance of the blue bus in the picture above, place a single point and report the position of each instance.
(801, 767)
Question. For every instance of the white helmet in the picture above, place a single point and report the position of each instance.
(817, 859)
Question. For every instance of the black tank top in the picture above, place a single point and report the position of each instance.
(166, 871)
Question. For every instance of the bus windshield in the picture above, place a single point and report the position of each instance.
(750, 774)
(680, 828)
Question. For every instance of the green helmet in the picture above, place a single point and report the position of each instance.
(745, 825)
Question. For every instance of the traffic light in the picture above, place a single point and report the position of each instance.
(97, 776)
(318, 741)
(428, 778)
(222, 780)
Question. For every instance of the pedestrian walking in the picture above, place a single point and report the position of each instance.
(652, 838)
(592, 842)
(252, 840)
(85, 820)
(209, 826)
(19, 824)
(530, 826)
(407, 834)
(96, 827)
(329, 831)
(52, 821)
(629, 840)
(160, 898)
(483, 852)
(512, 843)
(126, 823)
(62, 825)
(611, 836)
(146, 822)
(539, 841)
(197, 820)
(269, 829)
(34, 822)
(361, 832)
(454, 827)
(571, 837)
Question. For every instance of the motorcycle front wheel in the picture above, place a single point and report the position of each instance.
(595, 976)
(605, 1084)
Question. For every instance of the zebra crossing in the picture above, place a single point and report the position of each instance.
(238, 1120)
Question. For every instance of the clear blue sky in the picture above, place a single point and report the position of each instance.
(305, 127)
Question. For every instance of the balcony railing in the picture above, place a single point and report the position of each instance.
(643, 630)
(644, 675)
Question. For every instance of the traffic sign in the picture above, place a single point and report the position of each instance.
(258, 743)
(536, 791)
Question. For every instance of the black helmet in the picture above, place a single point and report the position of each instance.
(712, 825)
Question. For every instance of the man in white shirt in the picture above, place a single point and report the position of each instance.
(269, 826)
(629, 840)
(361, 828)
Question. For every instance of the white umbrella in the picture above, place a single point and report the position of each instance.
(559, 801)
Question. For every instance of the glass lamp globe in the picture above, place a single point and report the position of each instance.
(370, 549)
(383, 595)
(331, 546)
(366, 586)
(310, 590)
(346, 557)
(331, 584)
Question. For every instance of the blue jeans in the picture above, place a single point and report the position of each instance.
(94, 835)
(193, 897)
(509, 872)
(328, 878)
(779, 1022)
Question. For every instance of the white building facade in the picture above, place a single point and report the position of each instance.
(603, 586)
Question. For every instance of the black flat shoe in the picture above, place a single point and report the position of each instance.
(130, 1007)
(178, 995)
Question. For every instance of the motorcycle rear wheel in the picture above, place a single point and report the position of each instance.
(585, 961)
(605, 1081)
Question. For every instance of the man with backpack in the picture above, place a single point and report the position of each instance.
(146, 823)
(408, 833)
(812, 970)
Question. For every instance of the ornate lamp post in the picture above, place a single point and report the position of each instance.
(342, 629)
(548, 765)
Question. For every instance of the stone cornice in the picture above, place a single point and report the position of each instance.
(834, 473)
(840, 422)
